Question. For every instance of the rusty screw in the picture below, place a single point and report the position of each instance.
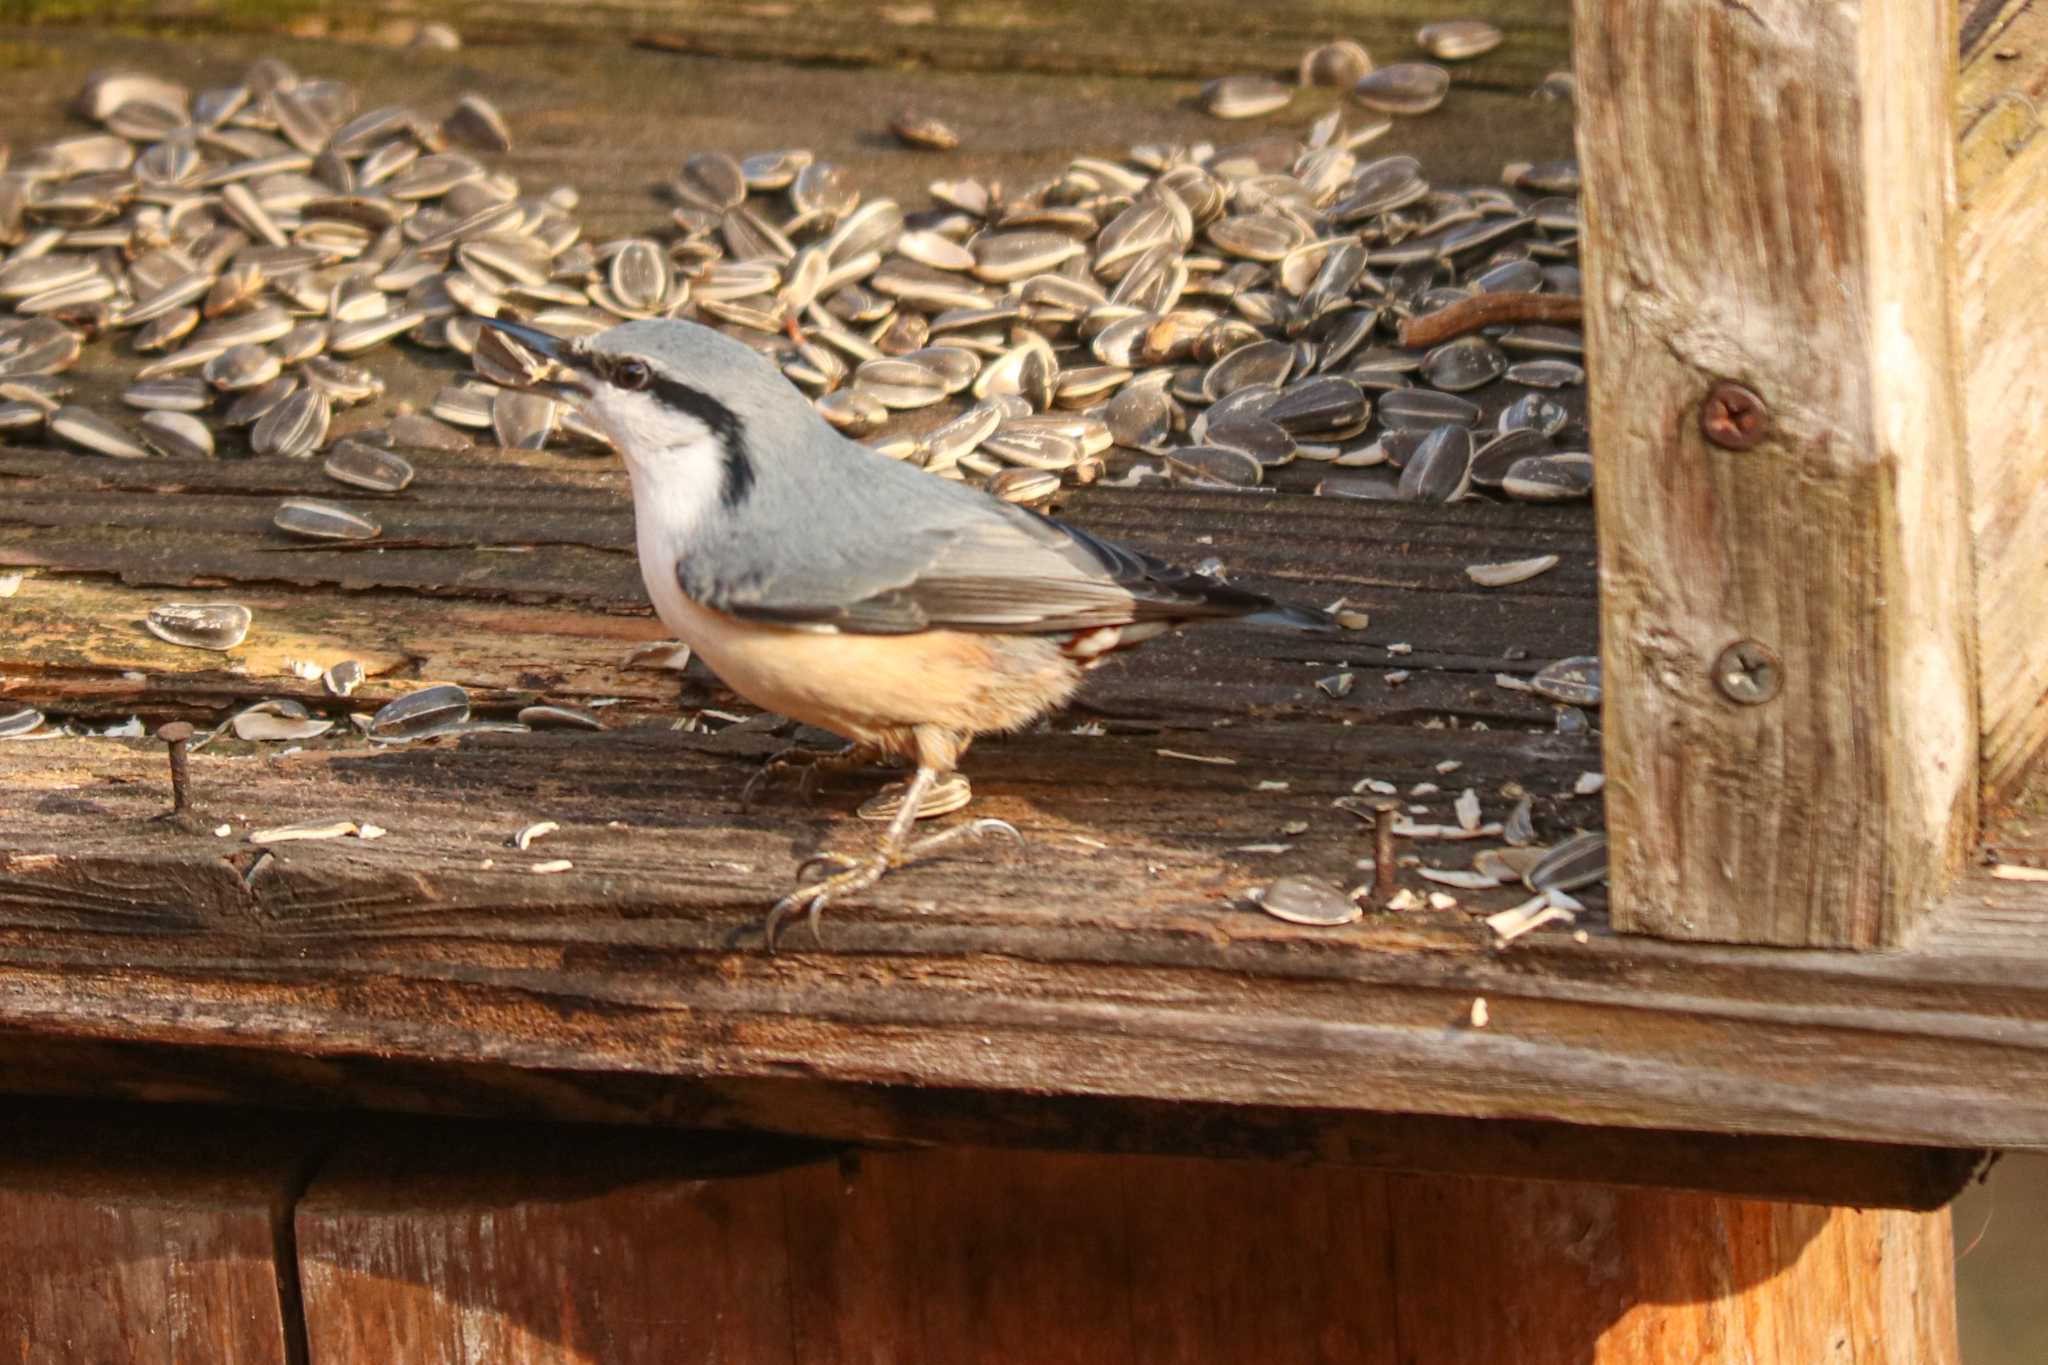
(178, 734)
(1733, 417)
(1386, 812)
(1749, 673)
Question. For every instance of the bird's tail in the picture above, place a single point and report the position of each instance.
(1292, 618)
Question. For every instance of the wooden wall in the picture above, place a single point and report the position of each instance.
(136, 1236)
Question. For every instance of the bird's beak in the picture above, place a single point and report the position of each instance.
(521, 357)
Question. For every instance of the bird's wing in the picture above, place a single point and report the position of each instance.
(988, 568)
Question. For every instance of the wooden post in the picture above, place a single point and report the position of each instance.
(1787, 607)
(2001, 262)
(972, 1255)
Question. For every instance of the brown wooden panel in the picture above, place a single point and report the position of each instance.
(147, 1237)
(2002, 312)
(518, 1245)
(1767, 197)
(1581, 1275)
(971, 1255)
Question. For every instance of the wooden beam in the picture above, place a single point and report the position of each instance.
(526, 1255)
(1767, 196)
(2001, 260)
(151, 1238)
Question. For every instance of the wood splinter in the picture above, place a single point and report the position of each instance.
(1487, 310)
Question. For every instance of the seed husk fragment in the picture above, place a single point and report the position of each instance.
(199, 625)
(1509, 572)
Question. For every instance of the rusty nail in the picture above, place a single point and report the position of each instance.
(1733, 417)
(178, 734)
(1749, 673)
(1383, 850)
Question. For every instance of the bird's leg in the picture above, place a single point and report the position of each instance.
(892, 852)
(811, 764)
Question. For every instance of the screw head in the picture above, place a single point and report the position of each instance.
(1749, 673)
(1733, 417)
(176, 732)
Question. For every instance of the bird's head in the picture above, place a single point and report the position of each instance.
(689, 408)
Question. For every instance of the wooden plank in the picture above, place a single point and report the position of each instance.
(152, 1242)
(1126, 972)
(2001, 254)
(522, 1246)
(971, 1255)
(1767, 191)
(1646, 1277)
(1192, 39)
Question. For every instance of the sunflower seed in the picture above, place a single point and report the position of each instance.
(1441, 468)
(524, 421)
(1423, 409)
(948, 794)
(1216, 465)
(239, 368)
(253, 405)
(1579, 861)
(1574, 681)
(1546, 374)
(1462, 365)
(1235, 97)
(200, 625)
(366, 466)
(168, 395)
(88, 430)
(264, 727)
(1027, 486)
(1455, 40)
(1549, 478)
(928, 134)
(342, 679)
(15, 724)
(1306, 900)
(1339, 64)
(1403, 88)
(177, 434)
(296, 427)
(317, 520)
(900, 383)
(477, 121)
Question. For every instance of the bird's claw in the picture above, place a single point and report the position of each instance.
(858, 874)
(809, 765)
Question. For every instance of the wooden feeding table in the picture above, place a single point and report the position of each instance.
(406, 1099)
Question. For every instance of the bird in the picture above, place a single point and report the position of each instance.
(828, 583)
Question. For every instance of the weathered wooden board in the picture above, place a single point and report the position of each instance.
(2002, 312)
(1192, 39)
(978, 1256)
(1767, 194)
(155, 1243)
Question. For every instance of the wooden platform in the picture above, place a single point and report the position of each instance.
(1112, 993)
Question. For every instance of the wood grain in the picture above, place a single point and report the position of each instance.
(2002, 312)
(1767, 191)
(969, 1255)
(1194, 39)
(1666, 1278)
(155, 1243)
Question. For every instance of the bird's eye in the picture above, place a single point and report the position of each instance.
(632, 374)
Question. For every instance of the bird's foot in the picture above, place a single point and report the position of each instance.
(854, 875)
(810, 765)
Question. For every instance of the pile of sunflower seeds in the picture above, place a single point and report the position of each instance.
(1225, 311)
